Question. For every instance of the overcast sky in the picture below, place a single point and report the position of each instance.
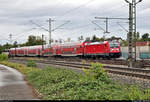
(15, 17)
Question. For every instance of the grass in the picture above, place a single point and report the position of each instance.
(3, 57)
(63, 84)
(31, 63)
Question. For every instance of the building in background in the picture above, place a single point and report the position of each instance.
(142, 50)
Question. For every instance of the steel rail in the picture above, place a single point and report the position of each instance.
(105, 66)
(88, 65)
(146, 63)
(133, 72)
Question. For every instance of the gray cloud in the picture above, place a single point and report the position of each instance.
(16, 14)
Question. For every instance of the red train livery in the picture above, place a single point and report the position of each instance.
(85, 49)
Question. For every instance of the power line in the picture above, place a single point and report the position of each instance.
(58, 3)
(122, 27)
(78, 7)
(112, 9)
(106, 22)
(3, 37)
(98, 25)
(50, 30)
(20, 35)
(39, 26)
(10, 37)
(60, 25)
(24, 32)
(78, 27)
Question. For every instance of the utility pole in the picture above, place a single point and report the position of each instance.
(130, 37)
(106, 25)
(106, 21)
(50, 30)
(132, 32)
(106, 32)
(50, 27)
(42, 42)
(10, 37)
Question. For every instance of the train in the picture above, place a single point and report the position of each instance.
(105, 49)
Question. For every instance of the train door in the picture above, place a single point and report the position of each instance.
(15, 54)
(75, 50)
(85, 50)
(25, 52)
(62, 51)
(37, 50)
(54, 51)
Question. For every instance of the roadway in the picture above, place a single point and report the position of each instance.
(13, 86)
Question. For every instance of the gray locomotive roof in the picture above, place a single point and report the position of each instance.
(95, 43)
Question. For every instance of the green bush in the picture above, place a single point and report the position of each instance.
(57, 83)
(96, 72)
(3, 57)
(31, 63)
(136, 94)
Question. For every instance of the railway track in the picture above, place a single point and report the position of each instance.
(113, 69)
(142, 63)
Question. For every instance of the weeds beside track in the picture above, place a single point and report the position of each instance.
(120, 70)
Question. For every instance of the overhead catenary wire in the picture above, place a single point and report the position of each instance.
(122, 27)
(23, 32)
(3, 37)
(20, 35)
(78, 7)
(69, 11)
(79, 29)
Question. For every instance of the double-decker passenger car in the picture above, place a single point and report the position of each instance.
(85, 49)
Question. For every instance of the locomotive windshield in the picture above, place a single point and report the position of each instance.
(114, 45)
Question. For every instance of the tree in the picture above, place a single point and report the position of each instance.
(39, 41)
(1, 49)
(31, 40)
(87, 39)
(94, 38)
(35, 40)
(15, 44)
(80, 38)
(124, 43)
(56, 41)
(7, 46)
(68, 40)
(113, 38)
(60, 40)
(145, 37)
(137, 36)
(101, 39)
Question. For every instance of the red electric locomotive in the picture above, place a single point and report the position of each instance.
(102, 49)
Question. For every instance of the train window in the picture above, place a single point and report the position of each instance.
(114, 45)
